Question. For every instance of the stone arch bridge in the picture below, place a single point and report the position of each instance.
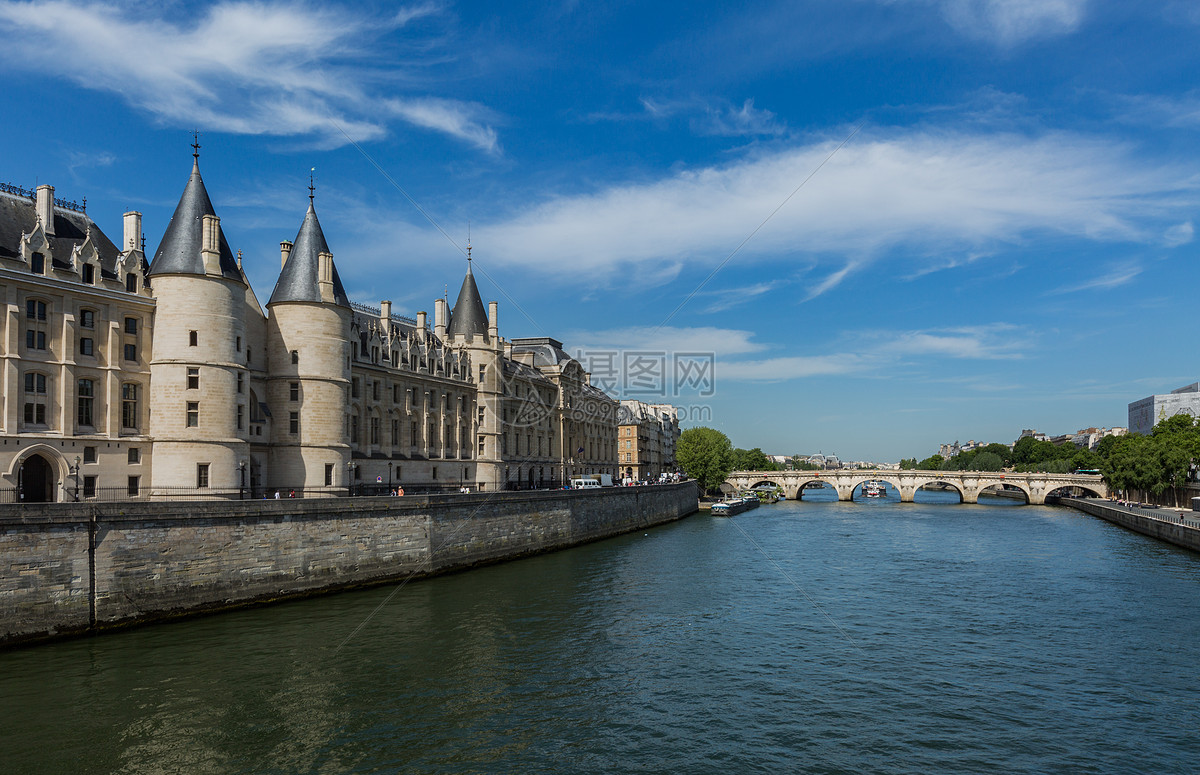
(1035, 486)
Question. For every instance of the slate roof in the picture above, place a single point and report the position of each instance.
(18, 215)
(546, 351)
(299, 278)
(469, 318)
(179, 251)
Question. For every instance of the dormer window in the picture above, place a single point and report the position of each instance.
(131, 283)
(89, 274)
(37, 263)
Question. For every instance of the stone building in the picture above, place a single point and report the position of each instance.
(127, 378)
(646, 436)
(1147, 412)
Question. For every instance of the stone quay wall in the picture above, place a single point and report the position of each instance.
(1165, 526)
(69, 569)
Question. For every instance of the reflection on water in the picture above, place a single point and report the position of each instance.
(967, 638)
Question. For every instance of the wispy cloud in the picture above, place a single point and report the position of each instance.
(273, 68)
(727, 121)
(1115, 277)
(861, 353)
(711, 117)
(917, 195)
(1008, 22)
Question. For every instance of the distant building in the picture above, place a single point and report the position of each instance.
(646, 438)
(1038, 435)
(1148, 412)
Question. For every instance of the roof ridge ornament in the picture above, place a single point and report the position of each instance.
(311, 186)
(196, 145)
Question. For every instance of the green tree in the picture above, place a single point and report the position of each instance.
(908, 463)
(987, 461)
(706, 455)
(1001, 450)
(752, 460)
(931, 463)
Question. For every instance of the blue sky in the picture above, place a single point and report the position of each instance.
(965, 217)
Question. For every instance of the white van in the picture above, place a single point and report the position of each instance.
(583, 484)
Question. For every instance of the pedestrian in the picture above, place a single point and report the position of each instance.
(400, 490)
(277, 495)
(292, 494)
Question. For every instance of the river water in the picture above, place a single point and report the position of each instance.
(803, 637)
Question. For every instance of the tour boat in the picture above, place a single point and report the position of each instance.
(874, 489)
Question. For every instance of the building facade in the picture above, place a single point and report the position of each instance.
(132, 378)
(646, 439)
(1145, 413)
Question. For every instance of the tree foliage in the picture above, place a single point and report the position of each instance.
(908, 464)
(931, 463)
(706, 455)
(753, 460)
(1158, 464)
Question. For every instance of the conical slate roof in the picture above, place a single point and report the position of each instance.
(298, 280)
(179, 251)
(469, 318)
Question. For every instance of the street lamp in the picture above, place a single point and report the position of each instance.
(349, 478)
(389, 477)
(242, 480)
(75, 471)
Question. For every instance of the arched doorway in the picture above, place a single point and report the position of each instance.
(37, 480)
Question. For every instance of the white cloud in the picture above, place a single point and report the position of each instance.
(1012, 21)
(1008, 22)
(671, 339)
(736, 122)
(1179, 234)
(276, 68)
(922, 195)
(860, 352)
(1115, 277)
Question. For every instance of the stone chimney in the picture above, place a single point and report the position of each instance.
(421, 324)
(133, 231)
(493, 320)
(45, 208)
(385, 313)
(285, 250)
(439, 318)
(210, 244)
(325, 276)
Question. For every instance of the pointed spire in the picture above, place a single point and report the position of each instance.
(299, 278)
(311, 188)
(469, 317)
(179, 251)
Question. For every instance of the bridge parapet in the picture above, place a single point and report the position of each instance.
(1035, 486)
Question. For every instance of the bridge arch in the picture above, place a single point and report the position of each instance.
(1067, 490)
(858, 482)
(995, 487)
(921, 482)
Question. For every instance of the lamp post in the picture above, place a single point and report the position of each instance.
(242, 480)
(389, 477)
(75, 472)
(349, 478)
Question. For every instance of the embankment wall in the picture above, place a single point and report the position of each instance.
(67, 569)
(1167, 526)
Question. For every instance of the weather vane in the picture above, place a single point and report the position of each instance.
(195, 144)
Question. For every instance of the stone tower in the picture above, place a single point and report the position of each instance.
(197, 412)
(308, 351)
(472, 329)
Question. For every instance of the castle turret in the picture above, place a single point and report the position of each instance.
(308, 341)
(472, 329)
(198, 417)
